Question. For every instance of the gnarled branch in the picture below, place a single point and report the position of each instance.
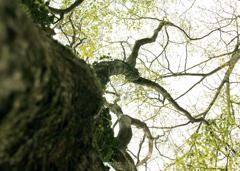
(131, 60)
(66, 10)
(147, 133)
(125, 123)
(160, 89)
(106, 69)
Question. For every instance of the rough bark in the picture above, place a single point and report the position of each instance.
(106, 69)
(49, 100)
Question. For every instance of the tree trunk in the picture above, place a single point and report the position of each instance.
(49, 101)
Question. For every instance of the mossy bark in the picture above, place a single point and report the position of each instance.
(49, 100)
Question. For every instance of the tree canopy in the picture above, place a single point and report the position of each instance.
(169, 71)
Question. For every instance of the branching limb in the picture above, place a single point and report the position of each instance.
(66, 10)
(114, 108)
(160, 89)
(190, 38)
(147, 133)
(232, 62)
(125, 131)
(131, 60)
(106, 69)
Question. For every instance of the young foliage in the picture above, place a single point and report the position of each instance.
(212, 147)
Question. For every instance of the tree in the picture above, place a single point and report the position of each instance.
(49, 100)
(144, 67)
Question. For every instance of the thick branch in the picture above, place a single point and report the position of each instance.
(147, 133)
(66, 10)
(125, 123)
(106, 69)
(133, 56)
(160, 89)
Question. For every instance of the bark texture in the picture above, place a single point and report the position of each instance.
(49, 101)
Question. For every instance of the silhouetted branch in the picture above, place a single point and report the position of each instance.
(66, 10)
(131, 60)
(160, 89)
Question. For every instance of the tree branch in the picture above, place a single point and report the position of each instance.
(160, 89)
(190, 38)
(232, 62)
(131, 60)
(66, 10)
(106, 69)
(147, 133)
(125, 122)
